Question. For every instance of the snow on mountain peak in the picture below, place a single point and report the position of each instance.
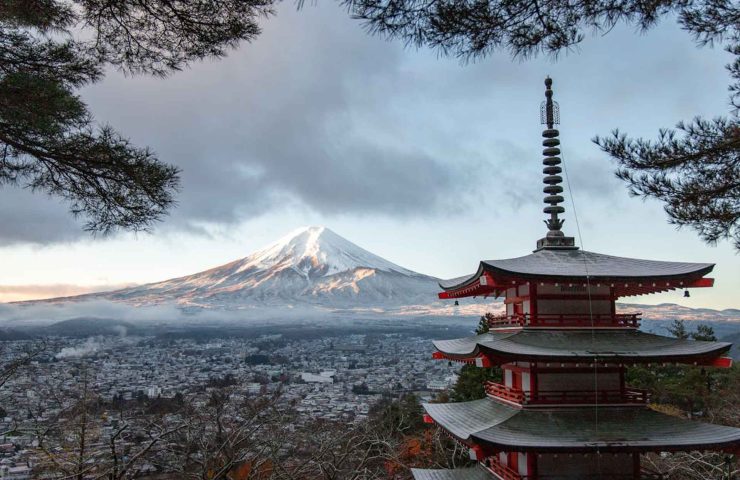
(311, 265)
(317, 251)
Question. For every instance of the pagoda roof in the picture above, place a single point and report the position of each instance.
(490, 423)
(571, 345)
(474, 473)
(577, 266)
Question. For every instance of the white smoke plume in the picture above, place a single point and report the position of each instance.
(90, 346)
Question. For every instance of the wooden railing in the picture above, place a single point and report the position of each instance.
(502, 471)
(566, 397)
(505, 393)
(566, 320)
(506, 320)
(555, 397)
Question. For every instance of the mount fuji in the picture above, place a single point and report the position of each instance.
(311, 265)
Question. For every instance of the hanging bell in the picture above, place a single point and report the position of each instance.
(686, 294)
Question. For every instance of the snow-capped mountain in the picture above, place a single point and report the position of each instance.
(310, 265)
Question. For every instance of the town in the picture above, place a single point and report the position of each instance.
(332, 378)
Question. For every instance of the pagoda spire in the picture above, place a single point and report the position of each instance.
(550, 116)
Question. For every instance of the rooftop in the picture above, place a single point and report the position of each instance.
(587, 345)
(629, 276)
(490, 423)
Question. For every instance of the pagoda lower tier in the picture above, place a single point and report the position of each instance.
(491, 427)
(567, 443)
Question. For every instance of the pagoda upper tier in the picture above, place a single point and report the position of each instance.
(624, 276)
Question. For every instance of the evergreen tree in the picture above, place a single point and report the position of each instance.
(49, 49)
(483, 324)
(687, 387)
(471, 379)
(693, 170)
(704, 333)
(678, 329)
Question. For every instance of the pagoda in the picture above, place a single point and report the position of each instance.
(563, 410)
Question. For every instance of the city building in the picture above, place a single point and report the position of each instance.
(563, 410)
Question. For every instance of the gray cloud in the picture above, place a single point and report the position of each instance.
(36, 314)
(301, 118)
(35, 218)
(318, 115)
(275, 124)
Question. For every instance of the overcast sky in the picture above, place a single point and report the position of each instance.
(425, 161)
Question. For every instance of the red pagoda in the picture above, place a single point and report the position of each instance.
(563, 410)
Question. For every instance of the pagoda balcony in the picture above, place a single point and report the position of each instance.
(629, 320)
(501, 471)
(501, 391)
(567, 397)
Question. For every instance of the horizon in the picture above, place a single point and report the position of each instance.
(289, 238)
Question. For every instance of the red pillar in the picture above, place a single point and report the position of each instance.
(636, 466)
(531, 466)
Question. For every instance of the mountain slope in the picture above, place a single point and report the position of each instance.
(310, 265)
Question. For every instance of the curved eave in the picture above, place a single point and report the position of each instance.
(488, 423)
(467, 347)
(581, 345)
(466, 286)
(616, 430)
(629, 276)
(462, 420)
(497, 272)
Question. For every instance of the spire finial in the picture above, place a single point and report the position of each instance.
(549, 110)
(550, 116)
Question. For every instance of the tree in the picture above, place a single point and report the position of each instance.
(686, 391)
(678, 329)
(470, 383)
(226, 435)
(14, 361)
(80, 438)
(360, 389)
(704, 333)
(694, 170)
(49, 141)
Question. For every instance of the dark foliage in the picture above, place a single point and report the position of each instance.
(689, 388)
(398, 416)
(470, 383)
(678, 329)
(49, 141)
(705, 333)
(361, 389)
(222, 382)
(257, 359)
(694, 170)
(471, 380)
